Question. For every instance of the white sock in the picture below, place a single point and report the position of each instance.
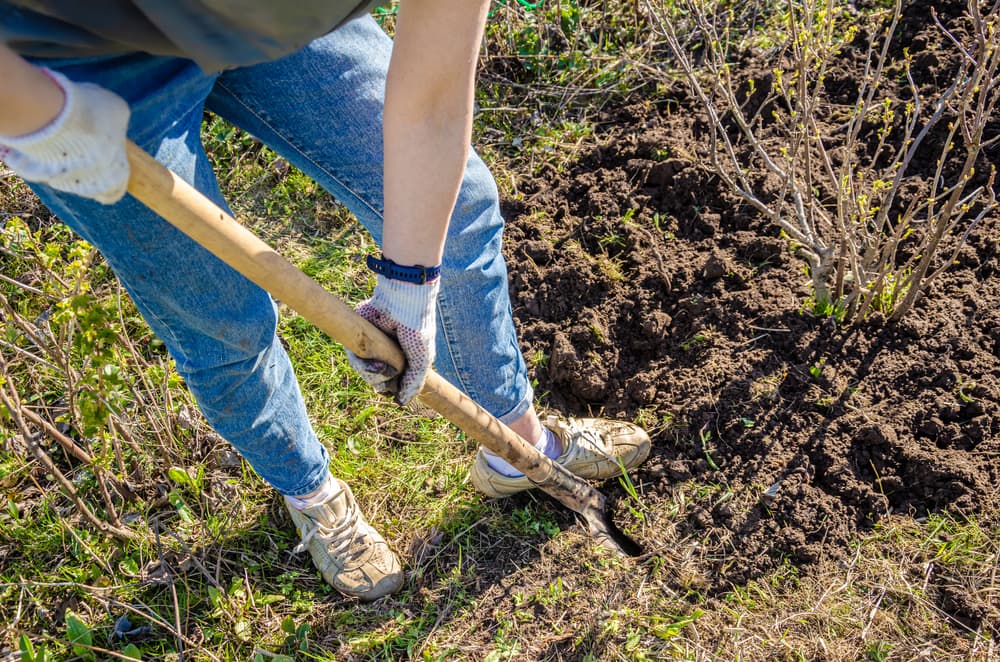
(325, 491)
(548, 443)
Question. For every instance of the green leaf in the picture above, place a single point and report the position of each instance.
(288, 625)
(132, 652)
(27, 649)
(242, 630)
(182, 508)
(216, 596)
(129, 566)
(79, 635)
(179, 476)
(270, 598)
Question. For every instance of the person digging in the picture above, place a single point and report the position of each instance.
(384, 126)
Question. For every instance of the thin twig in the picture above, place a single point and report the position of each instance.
(173, 593)
(9, 399)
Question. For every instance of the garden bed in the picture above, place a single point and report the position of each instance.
(645, 289)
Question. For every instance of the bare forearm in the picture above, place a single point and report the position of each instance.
(31, 100)
(424, 165)
(428, 123)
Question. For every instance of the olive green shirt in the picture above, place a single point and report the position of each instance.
(217, 34)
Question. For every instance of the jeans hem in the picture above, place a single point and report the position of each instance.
(312, 485)
(518, 411)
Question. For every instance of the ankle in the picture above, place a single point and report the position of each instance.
(547, 443)
(317, 496)
(528, 426)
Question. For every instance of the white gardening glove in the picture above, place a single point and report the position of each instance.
(406, 311)
(82, 150)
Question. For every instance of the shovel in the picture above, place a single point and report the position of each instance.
(192, 213)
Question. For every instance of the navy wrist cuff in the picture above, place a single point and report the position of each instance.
(417, 274)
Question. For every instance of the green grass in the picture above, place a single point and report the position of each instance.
(211, 575)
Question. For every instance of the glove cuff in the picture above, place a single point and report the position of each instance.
(41, 142)
(410, 304)
(82, 150)
(69, 137)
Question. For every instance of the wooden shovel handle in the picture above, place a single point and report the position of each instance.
(187, 209)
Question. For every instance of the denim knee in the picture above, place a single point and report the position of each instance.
(477, 343)
(227, 352)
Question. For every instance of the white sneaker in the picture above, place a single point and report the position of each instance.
(350, 554)
(593, 448)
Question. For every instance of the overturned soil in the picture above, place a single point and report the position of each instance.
(644, 289)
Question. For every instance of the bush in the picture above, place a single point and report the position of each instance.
(840, 178)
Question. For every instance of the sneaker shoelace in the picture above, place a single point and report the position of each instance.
(337, 539)
(586, 437)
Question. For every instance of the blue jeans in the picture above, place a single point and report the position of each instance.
(321, 109)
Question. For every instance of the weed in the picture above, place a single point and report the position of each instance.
(78, 635)
(613, 240)
(697, 342)
(769, 386)
(29, 652)
(553, 594)
(660, 222)
(636, 506)
(532, 520)
(879, 651)
(539, 359)
(816, 369)
(704, 437)
(609, 266)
